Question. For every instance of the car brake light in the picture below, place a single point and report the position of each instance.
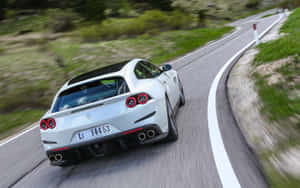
(47, 123)
(44, 125)
(51, 123)
(131, 102)
(143, 98)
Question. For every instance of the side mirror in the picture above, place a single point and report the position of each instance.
(166, 67)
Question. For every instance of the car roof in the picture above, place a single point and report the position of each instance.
(98, 72)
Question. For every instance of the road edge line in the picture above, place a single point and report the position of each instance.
(225, 170)
(10, 139)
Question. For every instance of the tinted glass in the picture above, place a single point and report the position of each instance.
(154, 71)
(141, 72)
(146, 70)
(90, 92)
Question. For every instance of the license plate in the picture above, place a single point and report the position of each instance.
(95, 132)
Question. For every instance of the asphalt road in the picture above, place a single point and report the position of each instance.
(187, 163)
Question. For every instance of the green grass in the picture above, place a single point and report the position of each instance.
(35, 23)
(153, 22)
(189, 42)
(292, 25)
(46, 20)
(285, 46)
(277, 104)
(280, 102)
(16, 119)
(276, 180)
(279, 49)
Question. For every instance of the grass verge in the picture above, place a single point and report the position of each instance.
(280, 98)
(12, 121)
(40, 69)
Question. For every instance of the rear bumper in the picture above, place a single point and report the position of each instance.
(102, 146)
(152, 113)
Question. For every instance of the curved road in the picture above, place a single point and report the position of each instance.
(190, 162)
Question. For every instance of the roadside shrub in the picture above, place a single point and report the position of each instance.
(253, 4)
(91, 9)
(61, 21)
(18, 99)
(89, 34)
(179, 20)
(2, 50)
(290, 4)
(154, 19)
(2, 9)
(153, 22)
(33, 41)
(10, 14)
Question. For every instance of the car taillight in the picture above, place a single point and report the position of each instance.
(142, 98)
(47, 123)
(51, 123)
(131, 102)
(44, 125)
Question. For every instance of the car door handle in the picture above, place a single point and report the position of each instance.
(165, 82)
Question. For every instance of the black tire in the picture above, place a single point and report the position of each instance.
(182, 96)
(173, 131)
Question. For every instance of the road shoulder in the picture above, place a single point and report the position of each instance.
(246, 107)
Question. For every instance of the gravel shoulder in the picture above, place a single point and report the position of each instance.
(264, 137)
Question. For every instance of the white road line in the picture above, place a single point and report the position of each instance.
(223, 164)
(177, 60)
(17, 136)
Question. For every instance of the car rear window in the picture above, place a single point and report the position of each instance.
(90, 92)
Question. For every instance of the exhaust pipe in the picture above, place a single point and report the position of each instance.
(141, 136)
(52, 158)
(58, 157)
(150, 133)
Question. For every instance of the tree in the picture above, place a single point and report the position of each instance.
(161, 4)
(91, 9)
(2, 9)
(154, 4)
(198, 7)
(28, 4)
(253, 4)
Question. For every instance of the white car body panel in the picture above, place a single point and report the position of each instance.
(113, 111)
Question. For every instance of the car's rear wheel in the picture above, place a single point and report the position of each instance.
(173, 131)
(182, 96)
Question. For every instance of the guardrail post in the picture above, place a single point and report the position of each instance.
(256, 34)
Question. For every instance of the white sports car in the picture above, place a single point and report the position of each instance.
(128, 103)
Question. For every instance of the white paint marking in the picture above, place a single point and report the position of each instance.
(223, 164)
(17, 136)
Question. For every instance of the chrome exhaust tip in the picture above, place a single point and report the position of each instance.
(58, 157)
(141, 136)
(150, 133)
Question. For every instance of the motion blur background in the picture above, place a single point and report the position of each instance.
(43, 43)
